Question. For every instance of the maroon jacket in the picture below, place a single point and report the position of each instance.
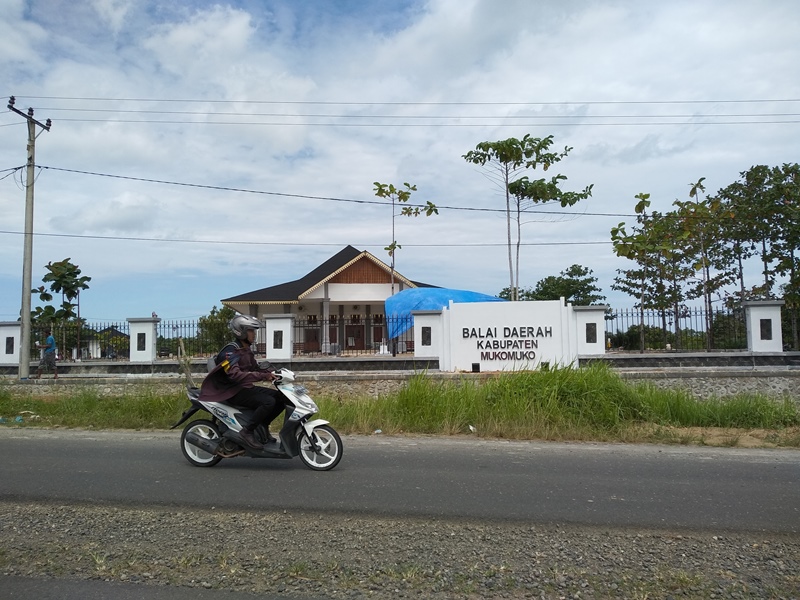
(236, 370)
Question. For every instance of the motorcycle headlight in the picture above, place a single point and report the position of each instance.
(300, 390)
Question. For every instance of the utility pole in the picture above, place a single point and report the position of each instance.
(27, 259)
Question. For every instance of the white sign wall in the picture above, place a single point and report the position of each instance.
(495, 336)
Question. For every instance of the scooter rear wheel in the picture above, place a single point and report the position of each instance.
(197, 456)
(330, 449)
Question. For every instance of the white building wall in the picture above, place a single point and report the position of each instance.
(358, 293)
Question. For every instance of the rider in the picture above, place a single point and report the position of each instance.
(231, 381)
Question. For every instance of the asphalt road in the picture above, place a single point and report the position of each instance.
(672, 487)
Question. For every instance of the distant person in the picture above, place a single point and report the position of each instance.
(48, 360)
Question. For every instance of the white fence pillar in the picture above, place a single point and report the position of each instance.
(10, 333)
(429, 338)
(763, 319)
(590, 329)
(143, 339)
(279, 342)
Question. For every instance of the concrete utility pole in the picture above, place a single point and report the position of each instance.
(27, 259)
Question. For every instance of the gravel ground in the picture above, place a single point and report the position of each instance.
(339, 556)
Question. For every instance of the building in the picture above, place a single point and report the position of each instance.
(337, 306)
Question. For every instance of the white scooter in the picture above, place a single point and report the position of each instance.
(205, 442)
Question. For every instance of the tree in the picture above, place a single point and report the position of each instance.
(761, 217)
(753, 207)
(401, 196)
(785, 184)
(704, 248)
(575, 284)
(509, 159)
(63, 278)
(213, 328)
(655, 280)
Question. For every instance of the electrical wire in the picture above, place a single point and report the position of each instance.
(329, 198)
(294, 244)
(347, 103)
(417, 120)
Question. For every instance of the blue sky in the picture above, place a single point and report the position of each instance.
(306, 104)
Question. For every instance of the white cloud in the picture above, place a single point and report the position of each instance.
(112, 12)
(283, 66)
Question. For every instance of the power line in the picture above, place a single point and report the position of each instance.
(291, 119)
(294, 244)
(365, 125)
(421, 103)
(368, 116)
(329, 198)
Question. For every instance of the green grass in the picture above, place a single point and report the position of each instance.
(85, 407)
(591, 403)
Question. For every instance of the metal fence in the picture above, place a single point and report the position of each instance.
(693, 329)
(354, 336)
(349, 337)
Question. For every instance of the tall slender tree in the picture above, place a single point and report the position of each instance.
(505, 162)
(705, 248)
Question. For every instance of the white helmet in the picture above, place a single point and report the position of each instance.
(241, 324)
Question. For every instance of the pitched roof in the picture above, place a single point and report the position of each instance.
(294, 291)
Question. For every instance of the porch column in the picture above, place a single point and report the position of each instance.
(325, 325)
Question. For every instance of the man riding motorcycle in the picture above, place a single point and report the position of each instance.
(231, 381)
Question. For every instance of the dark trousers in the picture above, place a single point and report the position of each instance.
(265, 402)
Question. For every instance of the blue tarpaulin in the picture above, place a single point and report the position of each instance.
(399, 306)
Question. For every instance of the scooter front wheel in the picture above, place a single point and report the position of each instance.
(197, 456)
(328, 450)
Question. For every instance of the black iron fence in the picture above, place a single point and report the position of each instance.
(312, 337)
(354, 336)
(692, 329)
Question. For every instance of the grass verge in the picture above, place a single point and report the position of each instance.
(583, 404)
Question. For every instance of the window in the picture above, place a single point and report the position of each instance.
(426, 336)
(9, 345)
(140, 342)
(591, 333)
(277, 339)
(766, 329)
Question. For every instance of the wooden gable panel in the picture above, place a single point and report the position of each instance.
(362, 271)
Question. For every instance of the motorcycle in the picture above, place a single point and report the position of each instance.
(205, 442)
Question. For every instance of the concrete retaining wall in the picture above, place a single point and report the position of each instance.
(724, 384)
(704, 383)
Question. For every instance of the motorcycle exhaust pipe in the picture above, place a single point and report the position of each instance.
(203, 443)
